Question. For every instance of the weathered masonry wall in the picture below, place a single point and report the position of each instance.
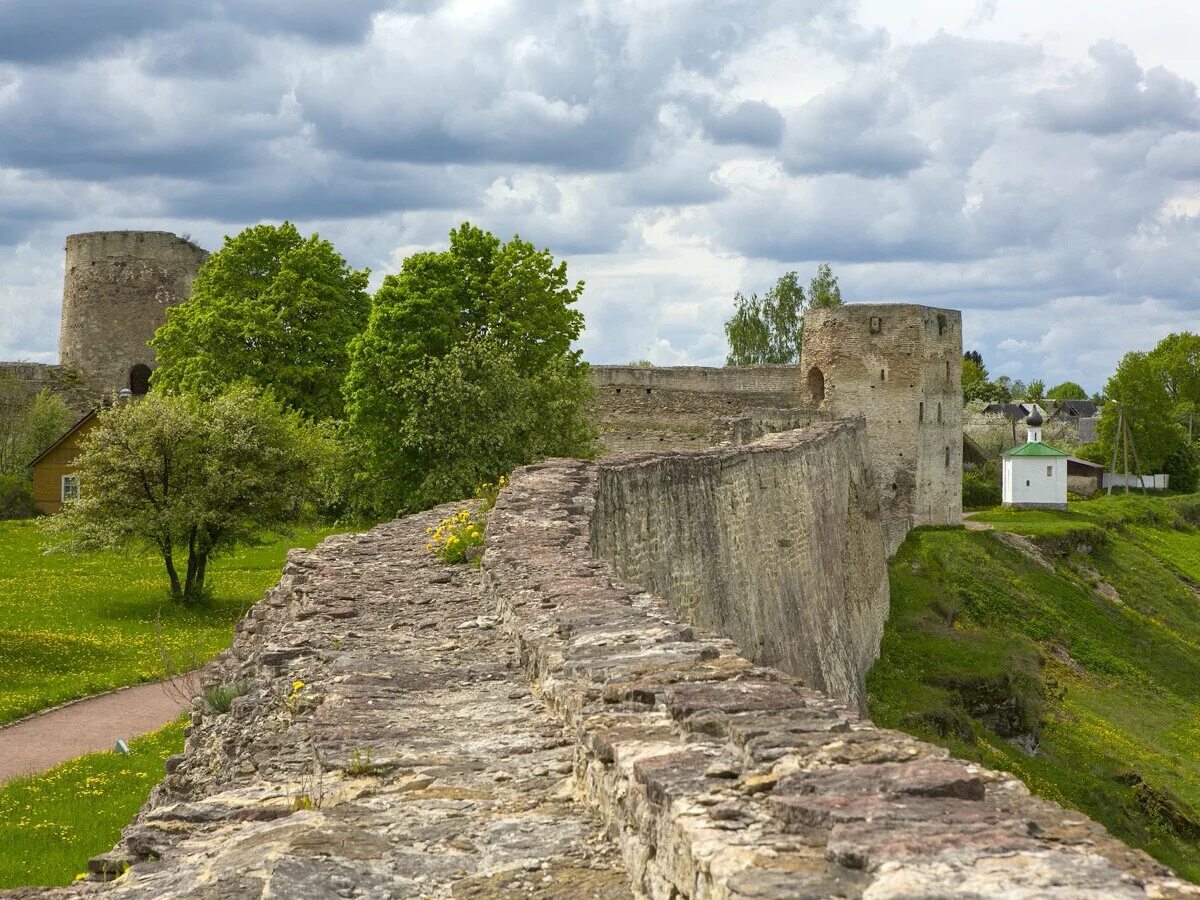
(56, 379)
(777, 544)
(544, 728)
(682, 407)
(718, 778)
(118, 287)
(899, 366)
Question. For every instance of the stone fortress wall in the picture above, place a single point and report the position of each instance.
(35, 377)
(777, 544)
(896, 365)
(117, 289)
(546, 727)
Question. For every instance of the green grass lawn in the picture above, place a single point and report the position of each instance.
(71, 626)
(981, 640)
(52, 823)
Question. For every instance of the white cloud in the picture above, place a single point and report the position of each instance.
(1006, 159)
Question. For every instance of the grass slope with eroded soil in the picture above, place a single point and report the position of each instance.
(1082, 678)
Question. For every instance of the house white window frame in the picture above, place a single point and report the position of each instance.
(1050, 471)
(69, 488)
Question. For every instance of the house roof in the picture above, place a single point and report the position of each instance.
(1015, 411)
(1009, 410)
(84, 419)
(1084, 462)
(1077, 409)
(1035, 448)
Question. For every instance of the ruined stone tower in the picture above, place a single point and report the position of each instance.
(900, 366)
(116, 292)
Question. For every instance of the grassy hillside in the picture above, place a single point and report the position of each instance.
(1092, 663)
(71, 626)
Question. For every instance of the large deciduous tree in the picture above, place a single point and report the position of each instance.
(272, 309)
(770, 329)
(1137, 393)
(191, 478)
(29, 423)
(465, 370)
(1176, 359)
(1067, 390)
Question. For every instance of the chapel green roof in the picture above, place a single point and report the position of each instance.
(1035, 448)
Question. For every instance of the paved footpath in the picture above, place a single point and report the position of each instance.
(45, 740)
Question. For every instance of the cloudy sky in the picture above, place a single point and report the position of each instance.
(1035, 164)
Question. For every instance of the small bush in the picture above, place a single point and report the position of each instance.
(981, 486)
(16, 498)
(1184, 468)
(219, 697)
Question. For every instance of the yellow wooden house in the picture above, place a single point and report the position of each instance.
(55, 480)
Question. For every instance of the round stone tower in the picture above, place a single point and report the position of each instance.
(117, 289)
(899, 366)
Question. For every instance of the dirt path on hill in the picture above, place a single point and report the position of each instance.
(971, 525)
(85, 726)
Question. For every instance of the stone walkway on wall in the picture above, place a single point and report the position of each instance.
(467, 791)
(543, 729)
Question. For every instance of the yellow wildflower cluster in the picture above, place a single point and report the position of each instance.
(454, 537)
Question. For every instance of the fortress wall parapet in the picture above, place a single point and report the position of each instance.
(720, 778)
(117, 289)
(59, 380)
(680, 407)
(777, 544)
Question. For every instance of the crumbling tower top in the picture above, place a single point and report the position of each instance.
(117, 288)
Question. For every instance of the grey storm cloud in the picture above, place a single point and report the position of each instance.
(750, 122)
(40, 31)
(859, 127)
(1117, 95)
(659, 137)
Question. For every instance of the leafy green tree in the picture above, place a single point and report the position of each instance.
(272, 309)
(1176, 358)
(1012, 390)
(769, 329)
(1067, 390)
(1035, 392)
(1137, 390)
(974, 377)
(29, 423)
(823, 290)
(478, 311)
(191, 478)
(469, 417)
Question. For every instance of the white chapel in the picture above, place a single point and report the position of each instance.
(1035, 474)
